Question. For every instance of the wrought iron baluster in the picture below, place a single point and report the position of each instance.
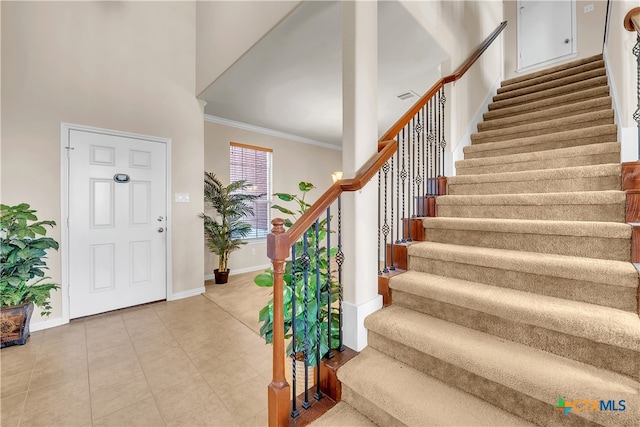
(418, 183)
(399, 228)
(443, 141)
(317, 394)
(340, 261)
(385, 225)
(392, 221)
(431, 139)
(380, 254)
(403, 176)
(636, 115)
(306, 262)
(294, 410)
(412, 179)
(328, 284)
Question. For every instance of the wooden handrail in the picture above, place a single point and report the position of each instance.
(397, 127)
(632, 20)
(279, 241)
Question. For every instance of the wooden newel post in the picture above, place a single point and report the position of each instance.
(278, 391)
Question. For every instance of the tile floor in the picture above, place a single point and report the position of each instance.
(178, 363)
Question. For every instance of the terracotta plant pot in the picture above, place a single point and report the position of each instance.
(221, 276)
(14, 324)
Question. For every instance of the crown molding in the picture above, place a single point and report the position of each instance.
(265, 131)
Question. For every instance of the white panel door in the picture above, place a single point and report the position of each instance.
(545, 31)
(117, 222)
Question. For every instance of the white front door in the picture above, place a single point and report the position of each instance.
(117, 221)
(545, 31)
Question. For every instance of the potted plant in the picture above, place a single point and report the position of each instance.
(23, 283)
(294, 284)
(225, 232)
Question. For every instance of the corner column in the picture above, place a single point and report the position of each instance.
(360, 142)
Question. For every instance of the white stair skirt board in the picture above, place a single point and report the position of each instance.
(354, 332)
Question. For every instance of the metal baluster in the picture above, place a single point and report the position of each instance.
(339, 261)
(306, 261)
(425, 148)
(443, 142)
(412, 179)
(431, 139)
(400, 227)
(317, 395)
(636, 115)
(330, 352)
(416, 142)
(403, 175)
(385, 225)
(384, 255)
(294, 410)
(392, 267)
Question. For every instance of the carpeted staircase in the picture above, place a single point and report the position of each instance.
(524, 292)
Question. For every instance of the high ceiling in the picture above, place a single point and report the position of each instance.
(291, 80)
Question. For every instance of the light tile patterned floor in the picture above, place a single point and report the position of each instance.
(178, 363)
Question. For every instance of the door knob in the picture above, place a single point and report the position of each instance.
(566, 41)
(160, 229)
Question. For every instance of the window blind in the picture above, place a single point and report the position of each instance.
(253, 165)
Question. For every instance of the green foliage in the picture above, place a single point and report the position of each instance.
(225, 232)
(294, 283)
(22, 258)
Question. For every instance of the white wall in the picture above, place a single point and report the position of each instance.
(621, 69)
(128, 66)
(589, 34)
(459, 27)
(292, 162)
(228, 29)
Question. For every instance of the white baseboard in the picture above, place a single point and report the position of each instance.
(355, 334)
(186, 294)
(46, 324)
(241, 271)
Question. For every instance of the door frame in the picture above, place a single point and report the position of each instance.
(574, 40)
(65, 131)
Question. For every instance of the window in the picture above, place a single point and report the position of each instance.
(253, 164)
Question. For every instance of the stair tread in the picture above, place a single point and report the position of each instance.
(535, 140)
(552, 75)
(547, 125)
(541, 375)
(551, 70)
(544, 104)
(342, 414)
(544, 174)
(414, 398)
(550, 84)
(613, 273)
(611, 230)
(592, 104)
(538, 199)
(597, 323)
(549, 93)
(580, 150)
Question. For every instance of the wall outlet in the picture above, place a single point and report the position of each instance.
(182, 197)
(588, 8)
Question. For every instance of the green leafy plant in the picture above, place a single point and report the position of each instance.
(225, 232)
(294, 286)
(22, 258)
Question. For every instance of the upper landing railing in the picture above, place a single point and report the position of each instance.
(632, 23)
(309, 274)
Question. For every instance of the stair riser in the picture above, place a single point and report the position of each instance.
(582, 246)
(544, 115)
(551, 77)
(544, 128)
(549, 94)
(364, 406)
(517, 403)
(552, 163)
(545, 104)
(533, 145)
(552, 84)
(607, 213)
(599, 183)
(622, 298)
(623, 361)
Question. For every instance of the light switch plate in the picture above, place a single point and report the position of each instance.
(182, 197)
